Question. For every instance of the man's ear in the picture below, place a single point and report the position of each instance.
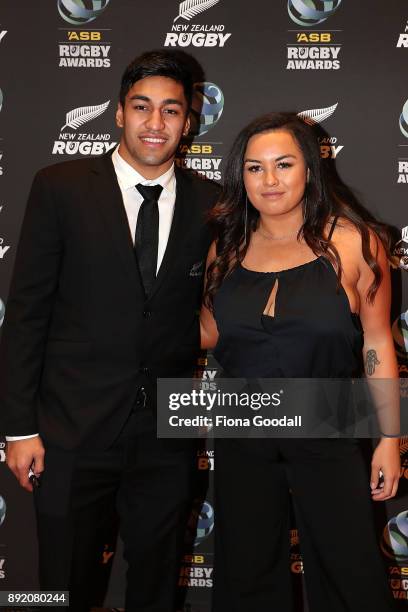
(187, 124)
(119, 115)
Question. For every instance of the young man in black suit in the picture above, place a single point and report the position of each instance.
(103, 301)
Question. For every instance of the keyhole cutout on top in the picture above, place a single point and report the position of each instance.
(269, 310)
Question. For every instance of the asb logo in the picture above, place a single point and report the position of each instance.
(205, 523)
(402, 162)
(76, 12)
(305, 12)
(2, 510)
(394, 543)
(77, 53)
(403, 120)
(400, 334)
(400, 252)
(202, 157)
(207, 107)
(312, 50)
(2, 312)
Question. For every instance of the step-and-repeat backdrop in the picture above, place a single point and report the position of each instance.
(342, 61)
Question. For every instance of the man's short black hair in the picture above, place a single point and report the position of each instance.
(166, 63)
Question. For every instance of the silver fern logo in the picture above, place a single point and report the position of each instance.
(1, 99)
(191, 8)
(74, 141)
(317, 115)
(186, 34)
(77, 117)
(76, 12)
(207, 107)
(403, 120)
(329, 147)
(306, 12)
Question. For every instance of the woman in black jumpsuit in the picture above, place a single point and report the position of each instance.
(277, 307)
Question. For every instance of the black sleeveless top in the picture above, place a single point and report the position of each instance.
(313, 332)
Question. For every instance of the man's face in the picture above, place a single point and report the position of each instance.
(154, 118)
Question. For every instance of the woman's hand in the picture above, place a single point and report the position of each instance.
(386, 458)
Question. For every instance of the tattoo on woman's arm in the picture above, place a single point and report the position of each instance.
(371, 361)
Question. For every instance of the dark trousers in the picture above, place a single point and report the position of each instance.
(148, 482)
(329, 485)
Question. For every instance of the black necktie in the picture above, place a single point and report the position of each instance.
(147, 234)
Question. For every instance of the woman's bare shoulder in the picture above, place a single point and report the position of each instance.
(348, 240)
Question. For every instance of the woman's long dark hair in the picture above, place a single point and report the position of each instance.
(326, 196)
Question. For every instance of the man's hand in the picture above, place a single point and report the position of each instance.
(22, 455)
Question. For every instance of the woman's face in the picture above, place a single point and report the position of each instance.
(275, 173)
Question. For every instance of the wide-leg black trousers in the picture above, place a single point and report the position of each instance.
(329, 485)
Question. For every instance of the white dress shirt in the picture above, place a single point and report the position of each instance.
(128, 178)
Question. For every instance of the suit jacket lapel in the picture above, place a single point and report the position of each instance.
(178, 230)
(110, 205)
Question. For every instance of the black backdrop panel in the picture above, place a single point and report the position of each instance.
(59, 61)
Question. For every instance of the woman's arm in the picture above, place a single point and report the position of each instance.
(208, 326)
(380, 363)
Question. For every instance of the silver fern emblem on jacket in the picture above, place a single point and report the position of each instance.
(191, 8)
(197, 269)
(317, 115)
(83, 114)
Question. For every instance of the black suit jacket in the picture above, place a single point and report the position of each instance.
(79, 337)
